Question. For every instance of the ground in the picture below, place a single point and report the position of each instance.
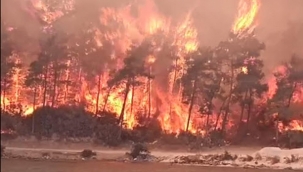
(14, 165)
(65, 157)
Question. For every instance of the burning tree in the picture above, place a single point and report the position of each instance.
(201, 82)
(134, 68)
(9, 65)
(160, 72)
(289, 84)
(46, 71)
(243, 71)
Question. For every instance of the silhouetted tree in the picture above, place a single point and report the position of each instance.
(238, 53)
(8, 64)
(288, 81)
(134, 67)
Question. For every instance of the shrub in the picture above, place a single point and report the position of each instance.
(107, 130)
(292, 139)
(65, 121)
(139, 149)
(87, 153)
(7, 121)
(146, 133)
(11, 125)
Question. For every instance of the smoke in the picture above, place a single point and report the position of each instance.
(281, 29)
(280, 22)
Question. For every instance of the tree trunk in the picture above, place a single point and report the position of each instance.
(132, 100)
(4, 94)
(277, 131)
(98, 94)
(66, 88)
(291, 95)
(149, 98)
(191, 104)
(121, 117)
(209, 111)
(106, 98)
(173, 84)
(221, 108)
(34, 107)
(250, 104)
(45, 86)
(220, 112)
(207, 123)
(242, 109)
(55, 87)
(229, 97)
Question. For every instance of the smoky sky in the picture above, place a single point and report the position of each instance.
(280, 22)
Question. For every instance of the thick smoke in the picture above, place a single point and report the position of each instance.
(280, 22)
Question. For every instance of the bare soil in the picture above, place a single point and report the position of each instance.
(14, 165)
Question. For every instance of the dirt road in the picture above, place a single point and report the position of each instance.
(14, 165)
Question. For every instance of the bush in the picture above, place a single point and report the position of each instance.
(11, 125)
(11, 121)
(107, 130)
(292, 139)
(87, 153)
(139, 149)
(7, 121)
(145, 133)
(65, 121)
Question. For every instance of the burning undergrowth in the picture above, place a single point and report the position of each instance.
(131, 73)
(74, 124)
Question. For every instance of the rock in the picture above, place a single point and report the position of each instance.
(249, 158)
(46, 155)
(138, 150)
(246, 158)
(258, 157)
(273, 160)
(87, 153)
(2, 150)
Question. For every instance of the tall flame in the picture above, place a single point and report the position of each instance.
(121, 28)
(248, 10)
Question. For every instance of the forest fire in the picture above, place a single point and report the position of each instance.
(247, 12)
(158, 94)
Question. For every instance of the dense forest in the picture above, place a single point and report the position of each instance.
(115, 79)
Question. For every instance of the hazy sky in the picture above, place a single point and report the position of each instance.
(280, 22)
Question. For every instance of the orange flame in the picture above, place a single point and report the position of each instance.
(164, 104)
(248, 10)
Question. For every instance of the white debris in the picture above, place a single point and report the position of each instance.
(275, 151)
(268, 157)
